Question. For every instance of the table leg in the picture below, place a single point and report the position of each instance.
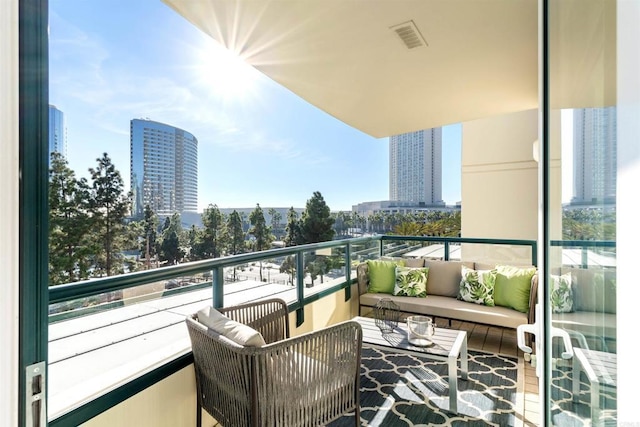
(453, 383)
(464, 359)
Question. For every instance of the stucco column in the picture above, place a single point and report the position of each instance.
(500, 183)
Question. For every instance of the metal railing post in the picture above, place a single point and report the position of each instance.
(217, 275)
(300, 287)
(347, 271)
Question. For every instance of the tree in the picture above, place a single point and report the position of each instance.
(109, 205)
(170, 250)
(235, 236)
(289, 266)
(70, 246)
(316, 223)
(193, 237)
(235, 240)
(293, 235)
(276, 217)
(211, 242)
(149, 242)
(260, 231)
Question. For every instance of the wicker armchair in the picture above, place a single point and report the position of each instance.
(307, 380)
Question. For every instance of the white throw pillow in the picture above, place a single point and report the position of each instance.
(235, 331)
(561, 293)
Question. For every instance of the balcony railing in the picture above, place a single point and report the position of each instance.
(211, 276)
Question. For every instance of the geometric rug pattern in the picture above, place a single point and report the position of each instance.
(404, 390)
(566, 412)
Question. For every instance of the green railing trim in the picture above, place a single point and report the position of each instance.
(584, 243)
(100, 404)
(86, 288)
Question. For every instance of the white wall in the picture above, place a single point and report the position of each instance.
(9, 212)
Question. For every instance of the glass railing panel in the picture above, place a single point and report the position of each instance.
(493, 254)
(324, 268)
(362, 251)
(255, 280)
(402, 248)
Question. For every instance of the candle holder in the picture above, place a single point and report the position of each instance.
(386, 314)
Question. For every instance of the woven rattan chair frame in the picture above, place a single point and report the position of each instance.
(308, 380)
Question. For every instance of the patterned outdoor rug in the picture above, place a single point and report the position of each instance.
(567, 412)
(404, 390)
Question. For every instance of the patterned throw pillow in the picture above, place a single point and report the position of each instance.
(561, 293)
(411, 282)
(477, 286)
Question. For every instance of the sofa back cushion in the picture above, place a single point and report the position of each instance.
(594, 289)
(444, 277)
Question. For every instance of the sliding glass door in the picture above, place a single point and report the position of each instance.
(584, 44)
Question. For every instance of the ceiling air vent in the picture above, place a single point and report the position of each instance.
(409, 34)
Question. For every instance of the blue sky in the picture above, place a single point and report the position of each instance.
(112, 61)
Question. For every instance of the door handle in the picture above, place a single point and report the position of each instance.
(536, 330)
(35, 388)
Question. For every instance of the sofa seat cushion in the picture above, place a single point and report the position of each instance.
(447, 307)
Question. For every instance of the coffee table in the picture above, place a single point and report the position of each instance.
(602, 371)
(448, 345)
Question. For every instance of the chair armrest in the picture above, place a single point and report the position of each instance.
(269, 317)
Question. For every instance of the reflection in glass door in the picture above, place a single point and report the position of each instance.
(581, 164)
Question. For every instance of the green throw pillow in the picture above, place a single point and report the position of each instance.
(411, 282)
(561, 293)
(477, 286)
(382, 276)
(513, 287)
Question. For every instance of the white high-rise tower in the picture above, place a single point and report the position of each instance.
(594, 155)
(415, 167)
(57, 132)
(164, 168)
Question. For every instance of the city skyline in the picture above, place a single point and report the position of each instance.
(258, 142)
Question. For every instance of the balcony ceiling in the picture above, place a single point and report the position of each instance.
(345, 58)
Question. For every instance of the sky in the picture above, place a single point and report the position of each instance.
(116, 60)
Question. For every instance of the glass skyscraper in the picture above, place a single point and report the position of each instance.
(57, 132)
(415, 167)
(594, 155)
(164, 168)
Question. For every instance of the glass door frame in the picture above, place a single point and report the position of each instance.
(33, 97)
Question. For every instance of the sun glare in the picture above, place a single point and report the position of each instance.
(225, 73)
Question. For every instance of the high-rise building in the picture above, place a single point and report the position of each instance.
(415, 167)
(57, 132)
(594, 155)
(164, 168)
